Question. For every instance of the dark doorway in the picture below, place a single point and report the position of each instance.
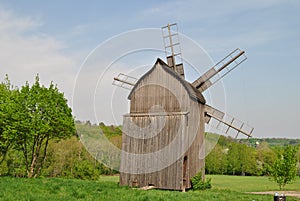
(184, 173)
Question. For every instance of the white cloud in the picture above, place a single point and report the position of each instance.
(12, 24)
(25, 52)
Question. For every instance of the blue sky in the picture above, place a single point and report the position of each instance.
(54, 39)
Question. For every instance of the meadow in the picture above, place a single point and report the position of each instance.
(106, 188)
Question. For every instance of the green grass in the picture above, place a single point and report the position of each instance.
(248, 183)
(224, 188)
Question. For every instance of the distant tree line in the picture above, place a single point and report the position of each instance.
(272, 142)
(241, 158)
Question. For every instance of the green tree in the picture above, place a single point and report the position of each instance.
(241, 159)
(34, 115)
(248, 160)
(284, 169)
(51, 119)
(265, 157)
(8, 104)
(215, 162)
(298, 165)
(234, 164)
(4, 94)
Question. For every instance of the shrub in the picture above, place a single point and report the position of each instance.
(284, 169)
(199, 184)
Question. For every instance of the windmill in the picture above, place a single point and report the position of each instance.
(164, 132)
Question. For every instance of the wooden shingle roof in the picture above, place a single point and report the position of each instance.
(194, 93)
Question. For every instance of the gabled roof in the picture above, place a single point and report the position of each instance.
(194, 93)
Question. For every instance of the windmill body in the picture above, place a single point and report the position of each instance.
(164, 104)
(163, 134)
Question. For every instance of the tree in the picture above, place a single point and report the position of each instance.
(234, 164)
(248, 160)
(241, 159)
(51, 118)
(215, 162)
(298, 165)
(265, 157)
(8, 105)
(284, 169)
(34, 115)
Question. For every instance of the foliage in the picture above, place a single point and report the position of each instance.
(67, 158)
(99, 145)
(7, 105)
(199, 184)
(32, 116)
(73, 162)
(113, 134)
(215, 162)
(298, 165)
(234, 164)
(241, 157)
(225, 141)
(265, 158)
(272, 142)
(234, 158)
(284, 169)
(14, 164)
(108, 189)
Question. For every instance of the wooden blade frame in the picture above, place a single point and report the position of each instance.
(226, 123)
(172, 48)
(124, 81)
(229, 63)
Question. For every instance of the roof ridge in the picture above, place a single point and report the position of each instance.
(194, 93)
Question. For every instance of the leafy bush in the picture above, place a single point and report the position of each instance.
(284, 169)
(69, 159)
(199, 184)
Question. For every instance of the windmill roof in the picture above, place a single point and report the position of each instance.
(194, 93)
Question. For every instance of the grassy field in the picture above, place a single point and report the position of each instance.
(224, 188)
(249, 184)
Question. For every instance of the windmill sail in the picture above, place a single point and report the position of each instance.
(124, 81)
(172, 48)
(222, 68)
(226, 123)
(212, 112)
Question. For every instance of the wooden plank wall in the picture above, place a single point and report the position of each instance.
(162, 90)
(195, 163)
(155, 160)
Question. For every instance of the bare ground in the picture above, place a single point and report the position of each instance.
(287, 193)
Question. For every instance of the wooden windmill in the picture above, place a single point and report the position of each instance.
(164, 132)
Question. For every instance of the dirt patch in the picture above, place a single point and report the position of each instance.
(287, 193)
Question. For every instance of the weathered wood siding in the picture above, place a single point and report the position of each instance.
(160, 99)
(195, 163)
(153, 161)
